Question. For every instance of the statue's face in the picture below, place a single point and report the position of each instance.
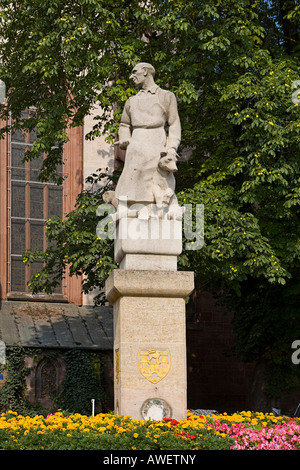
(138, 76)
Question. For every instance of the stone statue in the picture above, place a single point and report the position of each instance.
(151, 154)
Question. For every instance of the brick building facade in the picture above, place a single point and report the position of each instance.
(65, 320)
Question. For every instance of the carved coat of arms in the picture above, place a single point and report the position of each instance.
(154, 364)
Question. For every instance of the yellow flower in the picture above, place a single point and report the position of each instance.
(135, 435)
(121, 430)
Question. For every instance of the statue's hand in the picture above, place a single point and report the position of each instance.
(124, 144)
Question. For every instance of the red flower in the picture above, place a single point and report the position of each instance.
(170, 420)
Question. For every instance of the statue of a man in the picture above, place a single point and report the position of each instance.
(142, 133)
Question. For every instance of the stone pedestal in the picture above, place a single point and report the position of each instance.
(149, 341)
(148, 296)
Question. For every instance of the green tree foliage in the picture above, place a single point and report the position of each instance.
(61, 57)
(233, 66)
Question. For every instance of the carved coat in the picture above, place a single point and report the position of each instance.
(143, 124)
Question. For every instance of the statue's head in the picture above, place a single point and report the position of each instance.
(141, 73)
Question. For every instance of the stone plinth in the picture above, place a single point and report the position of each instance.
(149, 341)
(148, 244)
(144, 262)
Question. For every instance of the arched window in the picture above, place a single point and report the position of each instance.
(48, 377)
(48, 380)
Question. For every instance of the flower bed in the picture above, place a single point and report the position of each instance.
(63, 431)
(258, 431)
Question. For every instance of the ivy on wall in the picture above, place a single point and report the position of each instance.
(13, 392)
(83, 381)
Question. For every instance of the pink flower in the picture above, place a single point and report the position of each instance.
(285, 435)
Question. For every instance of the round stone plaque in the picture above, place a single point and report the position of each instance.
(156, 409)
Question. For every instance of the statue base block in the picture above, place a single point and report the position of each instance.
(144, 262)
(148, 237)
(149, 342)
